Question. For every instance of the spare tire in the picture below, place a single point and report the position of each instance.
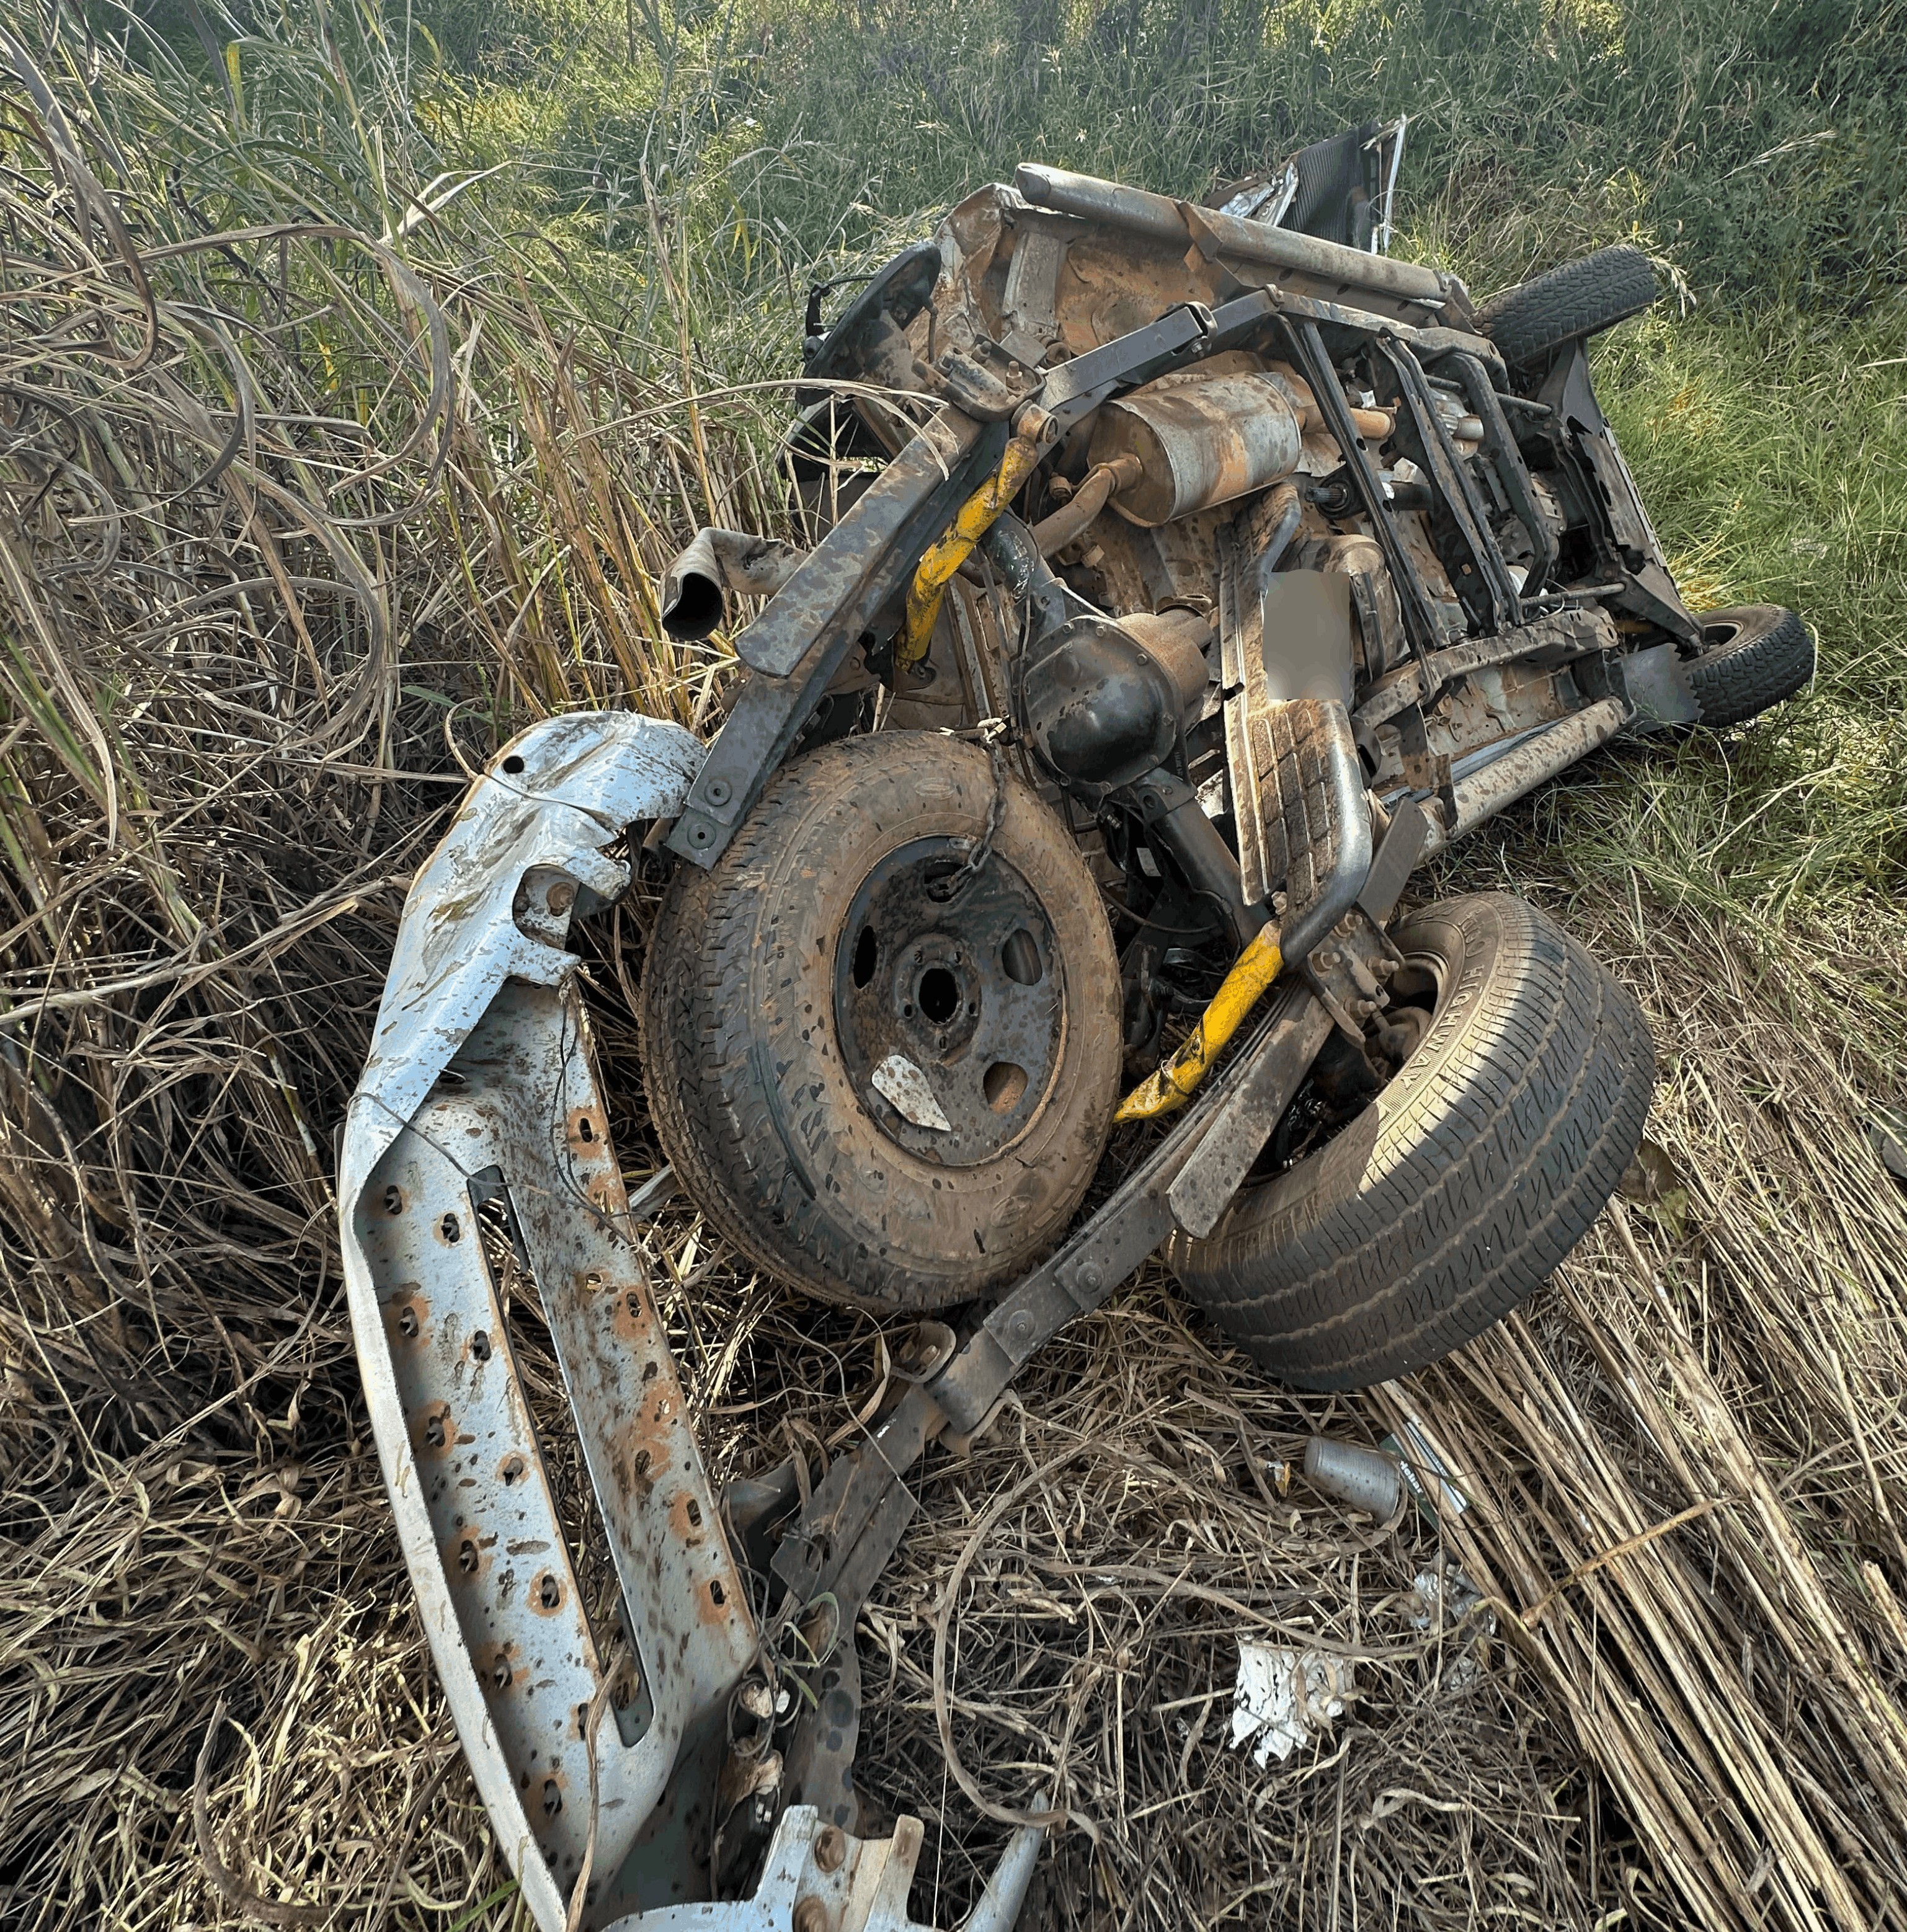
(1456, 1190)
(884, 1076)
(1752, 657)
(1579, 298)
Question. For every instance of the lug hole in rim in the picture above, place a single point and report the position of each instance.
(1003, 1084)
(1019, 957)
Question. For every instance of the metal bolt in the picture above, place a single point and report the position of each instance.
(1327, 959)
(562, 896)
(830, 1848)
(1090, 1277)
(810, 1915)
(718, 792)
(1020, 1326)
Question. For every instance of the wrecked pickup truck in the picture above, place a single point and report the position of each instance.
(1184, 575)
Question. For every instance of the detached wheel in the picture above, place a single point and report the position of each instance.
(1579, 298)
(1457, 1189)
(1751, 658)
(882, 1076)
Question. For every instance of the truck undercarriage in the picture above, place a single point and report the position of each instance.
(1180, 580)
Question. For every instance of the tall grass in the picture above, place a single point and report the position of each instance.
(460, 316)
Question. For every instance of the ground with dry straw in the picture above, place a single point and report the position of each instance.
(309, 500)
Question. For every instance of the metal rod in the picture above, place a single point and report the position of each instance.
(1160, 218)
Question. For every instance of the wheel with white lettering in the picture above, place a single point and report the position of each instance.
(881, 1034)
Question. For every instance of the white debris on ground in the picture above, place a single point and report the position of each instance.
(1283, 1696)
(1446, 1597)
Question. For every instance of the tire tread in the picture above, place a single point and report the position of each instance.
(1579, 298)
(1497, 1163)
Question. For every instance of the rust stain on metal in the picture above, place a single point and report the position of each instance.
(407, 1317)
(432, 1436)
(467, 1556)
(686, 1519)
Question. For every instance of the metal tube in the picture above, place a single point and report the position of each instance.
(1052, 533)
(1161, 219)
(1366, 1479)
(1167, 1090)
(715, 561)
(999, 1909)
(1526, 765)
(971, 522)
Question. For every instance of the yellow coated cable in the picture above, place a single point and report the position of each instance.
(1168, 1090)
(975, 517)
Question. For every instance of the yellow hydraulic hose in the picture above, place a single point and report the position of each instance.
(1168, 1090)
(975, 518)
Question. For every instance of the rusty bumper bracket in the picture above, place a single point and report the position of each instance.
(604, 1717)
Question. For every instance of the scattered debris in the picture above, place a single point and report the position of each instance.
(1426, 1472)
(1364, 1479)
(1283, 1697)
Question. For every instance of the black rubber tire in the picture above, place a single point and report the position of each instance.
(1752, 657)
(1579, 298)
(751, 1096)
(1463, 1183)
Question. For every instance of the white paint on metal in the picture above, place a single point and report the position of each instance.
(550, 803)
(554, 796)
(899, 1081)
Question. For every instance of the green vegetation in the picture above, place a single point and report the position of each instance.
(245, 675)
(1752, 148)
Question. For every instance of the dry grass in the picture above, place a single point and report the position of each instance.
(288, 539)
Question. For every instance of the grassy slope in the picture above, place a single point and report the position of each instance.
(1749, 148)
(1747, 889)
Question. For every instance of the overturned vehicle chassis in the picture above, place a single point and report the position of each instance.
(1312, 568)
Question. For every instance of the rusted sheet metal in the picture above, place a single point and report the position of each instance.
(1525, 764)
(479, 1119)
(1558, 635)
(552, 799)
(517, 1120)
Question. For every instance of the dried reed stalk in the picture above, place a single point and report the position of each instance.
(299, 517)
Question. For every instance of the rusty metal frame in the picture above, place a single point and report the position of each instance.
(476, 1152)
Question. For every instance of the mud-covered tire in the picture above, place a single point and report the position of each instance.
(1751, 658)
(754, 1085)
(1459, 1187)
(1579, 298)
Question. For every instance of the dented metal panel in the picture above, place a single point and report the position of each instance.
(516, 1123)
(479, 1095)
